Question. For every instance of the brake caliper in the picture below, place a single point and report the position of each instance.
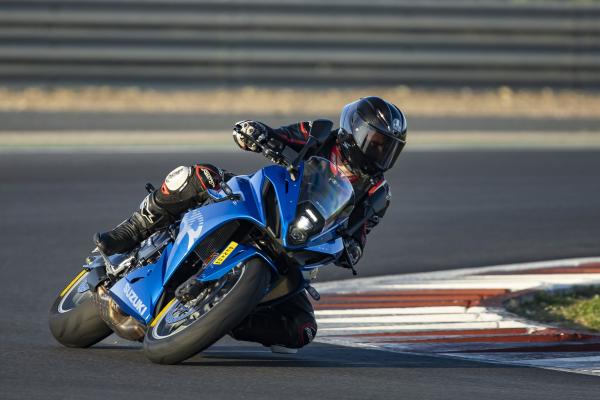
(189, 290)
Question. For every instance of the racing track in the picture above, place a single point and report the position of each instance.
(450, 210)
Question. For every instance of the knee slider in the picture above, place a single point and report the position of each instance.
(305, 332)
(176, 180)
(309, 331)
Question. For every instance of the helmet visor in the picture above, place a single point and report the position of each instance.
(379, 148)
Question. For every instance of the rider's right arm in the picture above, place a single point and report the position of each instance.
(294, 135)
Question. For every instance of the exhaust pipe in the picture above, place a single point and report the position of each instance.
(123, 325)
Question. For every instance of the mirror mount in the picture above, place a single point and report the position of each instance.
(320, 131)
(225, 188)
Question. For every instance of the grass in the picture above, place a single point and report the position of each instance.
(578, 309)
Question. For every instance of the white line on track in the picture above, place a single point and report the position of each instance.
(587, 365)
(413, 319)
(363, 284)
(425, 327)
(401, 311)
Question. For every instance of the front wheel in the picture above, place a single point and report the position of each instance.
(182, 330)
(74, 320)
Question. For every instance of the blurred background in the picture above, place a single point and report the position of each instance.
(98, 97)
(454, 66)
(295, 43)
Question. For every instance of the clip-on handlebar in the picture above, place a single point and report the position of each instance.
(287, 157)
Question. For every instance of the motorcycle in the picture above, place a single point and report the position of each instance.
(257, 241)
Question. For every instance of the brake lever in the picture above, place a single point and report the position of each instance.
(247, 137)
(270, 154)
(349, 260)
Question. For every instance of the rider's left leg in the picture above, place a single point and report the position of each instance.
(184, 187)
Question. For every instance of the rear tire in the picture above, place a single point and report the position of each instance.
(73, 320)
(163, 347)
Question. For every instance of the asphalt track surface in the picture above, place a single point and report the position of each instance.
(450, 209)
(138, 121)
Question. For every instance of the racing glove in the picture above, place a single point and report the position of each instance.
(257, 130)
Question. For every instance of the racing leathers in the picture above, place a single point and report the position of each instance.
(291, 323)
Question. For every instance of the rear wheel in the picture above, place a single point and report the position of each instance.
(73, 320)
(181, 330)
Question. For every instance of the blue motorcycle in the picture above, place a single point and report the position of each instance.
(257, 241)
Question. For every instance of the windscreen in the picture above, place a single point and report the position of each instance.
(327, 189)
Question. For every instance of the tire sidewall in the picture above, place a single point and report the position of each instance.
(216, 323)
(80, 326)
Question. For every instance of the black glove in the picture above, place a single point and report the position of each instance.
(257, 130)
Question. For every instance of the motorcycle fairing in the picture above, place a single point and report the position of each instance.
(199, 222)
(287, 192)
(333, 248)
(139, 291)
(326, 242)
(240, 254)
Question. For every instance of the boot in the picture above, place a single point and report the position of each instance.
(131, 232)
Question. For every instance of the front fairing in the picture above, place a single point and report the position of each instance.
(327, 189)
(325, 202)
(199, 222)
(139, 291)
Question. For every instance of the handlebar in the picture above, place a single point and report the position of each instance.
(286, 158)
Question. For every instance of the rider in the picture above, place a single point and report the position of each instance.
(372, 134)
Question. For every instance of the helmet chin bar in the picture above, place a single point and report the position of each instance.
(353, 156)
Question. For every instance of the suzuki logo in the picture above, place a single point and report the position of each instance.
(134, 299)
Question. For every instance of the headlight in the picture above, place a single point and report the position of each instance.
(308, 222)
(303, 223)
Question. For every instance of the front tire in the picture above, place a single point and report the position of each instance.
(74, 321)
(179, 332)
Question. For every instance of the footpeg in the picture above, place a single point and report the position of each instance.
(109, 267)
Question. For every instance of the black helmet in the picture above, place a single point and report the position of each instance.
(372, 134)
